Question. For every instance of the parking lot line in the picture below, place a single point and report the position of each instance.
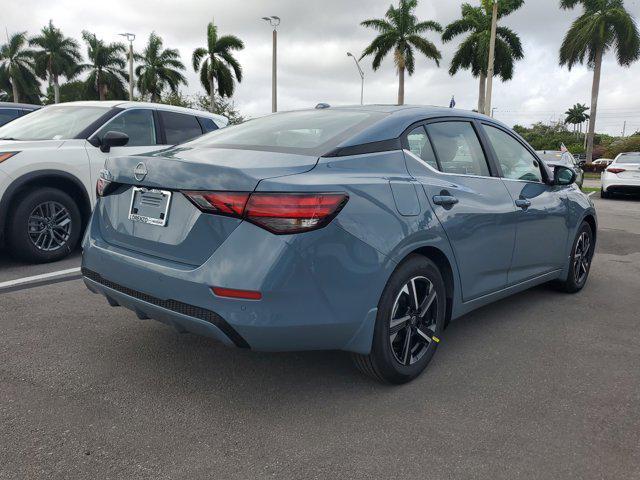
(39, 280)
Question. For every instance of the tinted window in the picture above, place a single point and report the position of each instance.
(207, 124)
(137, 124)
(8, 114)
(179, 127)
(420, 146)
(516, 161)
(307, 132)
(52, 123)
(458, 148)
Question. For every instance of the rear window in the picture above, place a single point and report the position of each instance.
(207, 124)
(8, 114)
(179, 127)
(305, 132)
(629, 158)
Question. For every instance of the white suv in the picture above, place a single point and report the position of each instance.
(50, 160)
(622, 175)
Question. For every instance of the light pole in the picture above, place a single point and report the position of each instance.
(274, 22)
(130, 37)
(492, 54)
(349, 54)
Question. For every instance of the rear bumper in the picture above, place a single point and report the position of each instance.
(611, 183)
(319, 290)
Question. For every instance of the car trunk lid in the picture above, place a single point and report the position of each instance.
(188, 235)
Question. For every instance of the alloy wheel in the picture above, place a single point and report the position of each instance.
(49, 226)
(581, 258)
(412, 325)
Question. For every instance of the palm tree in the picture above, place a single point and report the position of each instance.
(401, 31)
(17, 65)
(603, 25)
(473, 53)
(576, 116)
(160, 68)
(219, 65)
(55, 56)
(106, 66)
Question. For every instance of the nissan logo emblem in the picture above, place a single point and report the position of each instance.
(140, 171)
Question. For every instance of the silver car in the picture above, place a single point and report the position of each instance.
(553, 158)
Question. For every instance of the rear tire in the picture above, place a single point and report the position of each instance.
(410, 320)
(45, 226)
(604, 193)
(580, 261)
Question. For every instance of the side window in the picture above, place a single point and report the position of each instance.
(458, 148)
(420, 146)
(137, 124)
(207, 124)
(516, 161)
(179, 127)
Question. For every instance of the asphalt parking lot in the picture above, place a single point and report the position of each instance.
(541, 385)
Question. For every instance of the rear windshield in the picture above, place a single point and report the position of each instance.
(629, 158)
(313, 132)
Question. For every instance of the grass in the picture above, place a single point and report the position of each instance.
(592, 175)
(590, 189)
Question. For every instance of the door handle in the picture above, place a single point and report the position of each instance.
(445, 200)
(523, 203)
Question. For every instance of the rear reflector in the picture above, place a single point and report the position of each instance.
(232, 293)
(615, 170)
(280, 213)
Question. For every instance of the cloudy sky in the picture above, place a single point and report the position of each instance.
(313, 40)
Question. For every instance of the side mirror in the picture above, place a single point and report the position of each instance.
(563, 175)
(113, 139)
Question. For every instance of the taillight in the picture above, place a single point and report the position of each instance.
(615, 170)
(104, 183)
(279, 213)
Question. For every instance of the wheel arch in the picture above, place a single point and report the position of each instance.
(591, 220)
(64, 181)
(443, 263)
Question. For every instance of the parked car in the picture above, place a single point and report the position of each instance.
(603, 161)
(10, 111)
(622, 176)
(361, 229)
(50, 159)
(557, 157)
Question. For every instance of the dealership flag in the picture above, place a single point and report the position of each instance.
(452, 103)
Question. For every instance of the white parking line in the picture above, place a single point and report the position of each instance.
(11, 284)
(589, 194)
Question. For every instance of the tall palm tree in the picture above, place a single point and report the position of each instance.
(576, 116)
(603, 25)
(106, 66)
(160, 68)
(473, 53)
(55, 56)
(17, 65)
(401, 31)
(219, 66)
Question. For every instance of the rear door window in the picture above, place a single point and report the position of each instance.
(179, 127)
(458, 148)
(8, 114)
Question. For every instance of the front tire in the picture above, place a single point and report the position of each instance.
(580, 261)
(410, 320)
(45, 226)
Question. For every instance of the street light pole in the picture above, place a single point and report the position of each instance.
(130, 37)
(349, 54)
(274, 22)
(492, 54)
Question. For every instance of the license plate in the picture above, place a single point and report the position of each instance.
(149, 206)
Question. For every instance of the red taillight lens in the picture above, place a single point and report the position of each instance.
(615, 170)
(222, 203)
(280, 213)
(293, 212)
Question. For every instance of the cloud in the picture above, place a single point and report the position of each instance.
(315, 36)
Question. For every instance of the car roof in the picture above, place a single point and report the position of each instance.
(158, 106)
(398, 118)
(19, 105)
